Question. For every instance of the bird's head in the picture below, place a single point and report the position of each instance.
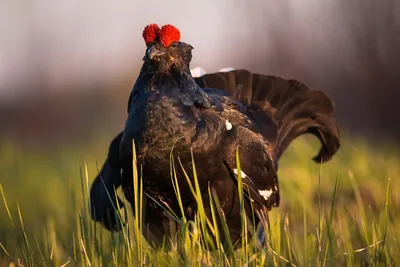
(164, 48)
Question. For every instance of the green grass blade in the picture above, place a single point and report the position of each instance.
(330, 222)
(6, 205)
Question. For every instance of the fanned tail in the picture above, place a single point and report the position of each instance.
(283, 109)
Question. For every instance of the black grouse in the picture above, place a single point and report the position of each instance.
(169, 110)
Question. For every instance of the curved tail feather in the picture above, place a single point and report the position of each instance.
(284, 109)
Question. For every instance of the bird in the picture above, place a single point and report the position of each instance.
(208, 118)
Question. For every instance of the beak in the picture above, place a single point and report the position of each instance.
(154, 52)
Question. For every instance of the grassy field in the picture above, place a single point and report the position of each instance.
(345, 212)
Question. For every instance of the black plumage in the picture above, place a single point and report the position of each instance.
(103, 202)
(258, 114)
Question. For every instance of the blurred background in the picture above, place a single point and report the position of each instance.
(67, 68)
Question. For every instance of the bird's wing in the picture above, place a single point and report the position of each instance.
(257, 163)
(103, 201)
(257, 167)
(283, 109)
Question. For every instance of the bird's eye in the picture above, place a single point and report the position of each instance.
(174, 45)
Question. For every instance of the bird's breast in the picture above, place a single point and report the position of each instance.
(159, 125)
(165, 125)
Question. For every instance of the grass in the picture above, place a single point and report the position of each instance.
(344, 212)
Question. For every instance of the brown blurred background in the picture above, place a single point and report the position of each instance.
(66, 68)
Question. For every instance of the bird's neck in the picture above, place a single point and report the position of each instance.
(177, 83)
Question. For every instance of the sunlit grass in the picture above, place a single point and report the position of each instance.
(344, 212)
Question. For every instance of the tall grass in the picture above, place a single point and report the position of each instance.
(341, 213)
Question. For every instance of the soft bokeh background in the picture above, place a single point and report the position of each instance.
(68, 65)
(67, 68)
